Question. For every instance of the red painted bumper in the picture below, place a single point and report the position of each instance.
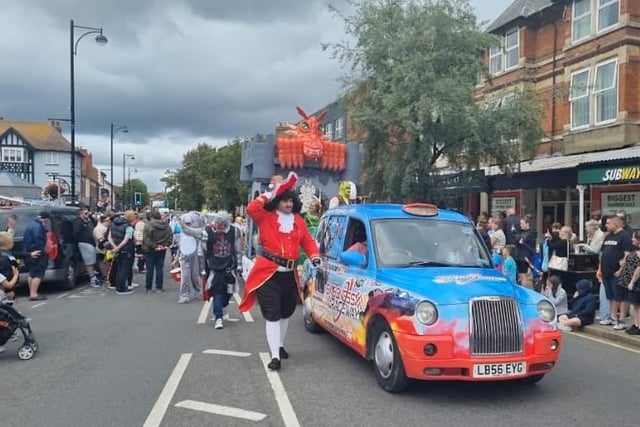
(444, 365)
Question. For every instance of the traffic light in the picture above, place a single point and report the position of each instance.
(137, 197)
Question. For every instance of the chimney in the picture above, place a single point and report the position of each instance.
(56, 125)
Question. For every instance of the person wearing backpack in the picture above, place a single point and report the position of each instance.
(35, 239)
(121, 238)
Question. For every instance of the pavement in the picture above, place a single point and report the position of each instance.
(609, 334)
(145, 360)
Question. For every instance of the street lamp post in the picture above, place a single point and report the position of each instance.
(125, 156)
(114, 129)
(73, 46)
(129, 182)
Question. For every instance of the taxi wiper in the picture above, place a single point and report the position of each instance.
(429, 263)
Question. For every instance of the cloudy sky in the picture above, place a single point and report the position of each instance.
(176, 72)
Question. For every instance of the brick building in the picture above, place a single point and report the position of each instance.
(583, 59)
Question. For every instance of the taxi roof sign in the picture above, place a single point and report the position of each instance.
(420, 209)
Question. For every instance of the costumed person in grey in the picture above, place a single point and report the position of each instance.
(190, 239)
(222, 250)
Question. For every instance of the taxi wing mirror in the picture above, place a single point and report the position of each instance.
(354, 258)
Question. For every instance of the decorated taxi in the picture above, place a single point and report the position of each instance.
(413, 289)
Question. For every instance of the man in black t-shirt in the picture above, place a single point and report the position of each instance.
(617, 245)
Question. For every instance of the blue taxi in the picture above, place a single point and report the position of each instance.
(413, 288)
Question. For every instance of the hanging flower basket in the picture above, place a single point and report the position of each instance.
(53, 191)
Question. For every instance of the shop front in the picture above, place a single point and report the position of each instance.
(614, 187)
(548, 195)
(459, 191)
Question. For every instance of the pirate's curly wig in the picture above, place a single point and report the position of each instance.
(287, 195)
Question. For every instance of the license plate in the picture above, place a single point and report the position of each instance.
(499, 370)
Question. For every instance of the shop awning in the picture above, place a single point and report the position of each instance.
(560, 161)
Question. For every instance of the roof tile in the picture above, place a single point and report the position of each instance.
(519, 9)
(41, 135)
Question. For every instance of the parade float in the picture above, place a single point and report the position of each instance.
(320, 163)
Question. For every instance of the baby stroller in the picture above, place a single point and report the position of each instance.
(11, 321)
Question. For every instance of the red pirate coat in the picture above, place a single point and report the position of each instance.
(284, 245)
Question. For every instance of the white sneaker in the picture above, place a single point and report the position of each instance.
(619, 326)
(183, 300)
(607, 322)
(219, 324)
(565, 328)
(2, 349)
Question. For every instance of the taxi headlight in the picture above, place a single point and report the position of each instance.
(546, 311)
(427, 313)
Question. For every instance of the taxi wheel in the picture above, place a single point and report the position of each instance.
(387, 361)
(534, 379)
(309, 324)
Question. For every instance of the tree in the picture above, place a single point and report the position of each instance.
(411, 77)
(135, 185)
(209, 178)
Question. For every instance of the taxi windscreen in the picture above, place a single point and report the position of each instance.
(419, 242)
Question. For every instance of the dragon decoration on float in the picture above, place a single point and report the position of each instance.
(306, 142)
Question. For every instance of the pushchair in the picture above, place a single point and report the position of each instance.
(10, 322)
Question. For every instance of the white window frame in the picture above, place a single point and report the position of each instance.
(339, 128)
(51, 158)
(596, 92)
(599, 9)
(18, 153)
(508, 49)
(328, 130)
(587, 95)
(575, 18)
(495, 52)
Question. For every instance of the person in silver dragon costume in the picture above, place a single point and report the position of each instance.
(189, 257)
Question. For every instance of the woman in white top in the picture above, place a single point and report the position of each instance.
(595, 237)
(556, 293)
(498, 239)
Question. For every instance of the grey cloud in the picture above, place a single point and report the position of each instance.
(177, 72)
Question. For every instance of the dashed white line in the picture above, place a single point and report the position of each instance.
(221, 410)
(164, 400)
(38, 305)
(61, 296)
(286, 410)
(226, 353)
(206, 307)
(247, 316)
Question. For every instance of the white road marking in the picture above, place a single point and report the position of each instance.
(38, 305)
(164, 400)
(598, 340)
(221, 410)
(61, 296)
(206, 307)
(286, 410)
(227, 353)
(247, 316)
(77, 296)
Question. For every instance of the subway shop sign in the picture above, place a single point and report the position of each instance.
(607, 175)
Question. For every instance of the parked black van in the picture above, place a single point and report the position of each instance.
(68, 267)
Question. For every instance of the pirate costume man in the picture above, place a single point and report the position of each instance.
(273, 279)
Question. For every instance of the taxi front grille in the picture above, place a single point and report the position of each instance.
(496, 327)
